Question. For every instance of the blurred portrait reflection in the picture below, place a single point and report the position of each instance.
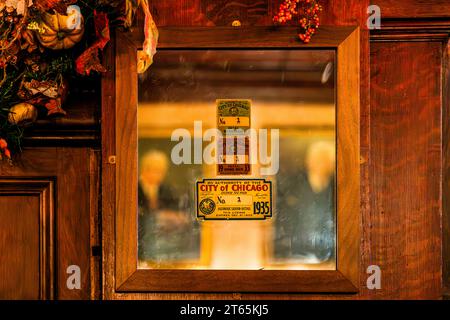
(163, 222)
(305, 224)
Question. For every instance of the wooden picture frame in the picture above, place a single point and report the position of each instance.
(119, 167)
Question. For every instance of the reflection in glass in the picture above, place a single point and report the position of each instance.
(167, 230)
(305, 215)
(291, 90)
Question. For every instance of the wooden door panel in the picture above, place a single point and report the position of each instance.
(26, 228)
(19, 245)
(50, 195)
(405, 222)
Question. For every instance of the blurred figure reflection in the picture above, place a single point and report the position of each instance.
(161, 223)
(305, 227)
(320, 164)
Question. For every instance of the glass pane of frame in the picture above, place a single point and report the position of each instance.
(290, 104)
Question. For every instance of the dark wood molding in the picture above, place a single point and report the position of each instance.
(232, 281)
(108, 177)
(72, 138)
(413, 8)
(95, 226)
(81, 125)
(44, 189)
(125, 208)
(446, 170)
(243, 37)
(412, 30)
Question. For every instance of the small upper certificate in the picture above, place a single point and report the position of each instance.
(233, 114)
(233, 121)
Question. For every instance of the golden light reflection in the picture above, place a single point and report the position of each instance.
(287, 93)
(239, 244)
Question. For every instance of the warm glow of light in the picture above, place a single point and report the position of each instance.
(240, 244)
(160, 119)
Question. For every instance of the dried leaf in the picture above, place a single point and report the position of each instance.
(89, 59)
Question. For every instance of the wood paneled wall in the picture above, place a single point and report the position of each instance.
(409, 147)
(446, 171)
(52, 192)
(22, 222)
(401, 138)
(47, 201)
(405, 167)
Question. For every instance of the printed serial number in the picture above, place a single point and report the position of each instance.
(246, 309)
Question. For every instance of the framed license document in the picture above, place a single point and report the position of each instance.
(237, 165)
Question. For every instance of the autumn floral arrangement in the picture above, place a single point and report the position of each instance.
(305, 12)
(42, 43)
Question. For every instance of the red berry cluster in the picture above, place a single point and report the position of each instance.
(307, 13)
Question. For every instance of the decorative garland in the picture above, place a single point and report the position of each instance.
(45, 42)
(305, 11)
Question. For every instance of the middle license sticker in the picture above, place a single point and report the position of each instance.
(233, 120)
(234, 199)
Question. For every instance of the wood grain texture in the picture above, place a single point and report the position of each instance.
(413, 8)
(348, 146)
(237, 281)
(245, 37)
(340, 12)
(179, 13)
(73, 216)
(69, 169)
(95, 226)
(19, 247)
(405, 169)
(25, 230)
(126, 160)
(224, 12)
(210, 12)
(108, 176)
(446, 171)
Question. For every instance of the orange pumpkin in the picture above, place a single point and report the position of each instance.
(58, 31)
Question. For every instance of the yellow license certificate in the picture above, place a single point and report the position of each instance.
(234, 199)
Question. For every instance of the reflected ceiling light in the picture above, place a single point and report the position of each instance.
(327, 72)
